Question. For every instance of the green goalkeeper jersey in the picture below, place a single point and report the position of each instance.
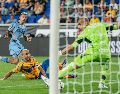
(96, 35)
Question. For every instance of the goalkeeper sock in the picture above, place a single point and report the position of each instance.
(105, 71)
(70, 67)
(4, 59)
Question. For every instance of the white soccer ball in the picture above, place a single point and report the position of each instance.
(60, 85)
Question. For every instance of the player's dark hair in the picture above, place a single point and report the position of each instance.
(28, 35)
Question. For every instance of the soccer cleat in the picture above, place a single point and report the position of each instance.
(71, 76)
(102, 85)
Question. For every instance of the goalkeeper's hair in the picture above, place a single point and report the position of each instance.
(83, 20)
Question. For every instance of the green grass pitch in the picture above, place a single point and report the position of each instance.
(87, 82)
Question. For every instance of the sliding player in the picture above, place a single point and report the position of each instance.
(16, 30)
(97, 51)
(31, 68)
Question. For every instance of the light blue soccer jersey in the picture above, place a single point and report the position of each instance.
(18, 30)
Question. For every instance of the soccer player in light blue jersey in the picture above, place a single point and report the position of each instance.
(16, 30)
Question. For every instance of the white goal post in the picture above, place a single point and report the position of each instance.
(54, 45)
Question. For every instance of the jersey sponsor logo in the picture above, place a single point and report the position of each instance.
(83, 46)
(114, 47)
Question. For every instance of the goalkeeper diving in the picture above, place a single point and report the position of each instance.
(98, 50)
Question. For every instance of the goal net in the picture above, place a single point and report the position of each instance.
(89, 75)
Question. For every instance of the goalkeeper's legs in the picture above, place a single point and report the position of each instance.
(78, 62)
(104, 74)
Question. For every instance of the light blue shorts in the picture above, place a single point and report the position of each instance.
(15, 48)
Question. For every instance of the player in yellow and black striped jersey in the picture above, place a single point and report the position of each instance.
(29, 67)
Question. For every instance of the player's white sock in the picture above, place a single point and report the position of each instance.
(46, 80)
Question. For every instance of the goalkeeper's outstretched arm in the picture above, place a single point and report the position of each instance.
(66, 50)
(82, 23)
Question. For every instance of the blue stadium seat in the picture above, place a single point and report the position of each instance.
(47, 5)
(5, 18)
(23, 10)
(117, 1)
(108, 1)
(47, 13)
(95, 9)
(8, 5)
(47, 9)
(16, 17)
(38, 17)
(31, 19)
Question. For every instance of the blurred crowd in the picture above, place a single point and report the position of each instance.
(70, 10)
(36, 9)
(95, 10)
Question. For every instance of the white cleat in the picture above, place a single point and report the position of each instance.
(102, 85)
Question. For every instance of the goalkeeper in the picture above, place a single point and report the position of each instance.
(98, 50)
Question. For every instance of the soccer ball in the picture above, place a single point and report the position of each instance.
(60, 85)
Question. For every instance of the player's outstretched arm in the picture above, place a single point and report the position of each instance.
(13, 71)
(7, 34)
(66, 50)
(9, 74)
